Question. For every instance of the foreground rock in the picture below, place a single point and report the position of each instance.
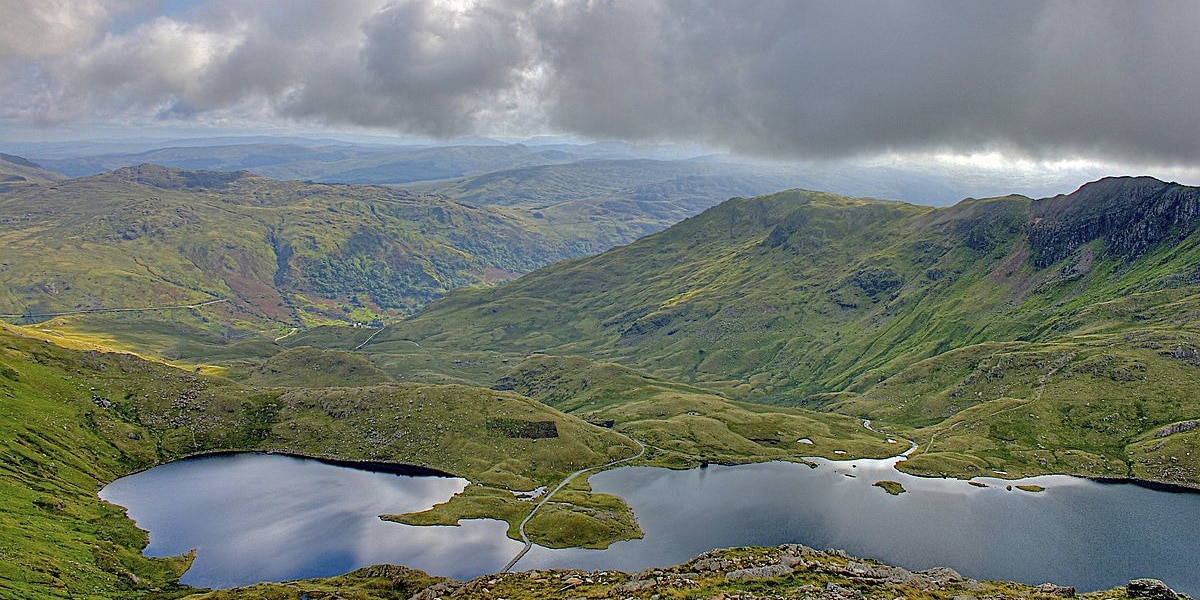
(789, 571)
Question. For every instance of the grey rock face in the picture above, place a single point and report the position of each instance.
(1149, 589)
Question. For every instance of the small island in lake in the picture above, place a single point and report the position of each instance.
(892, 487)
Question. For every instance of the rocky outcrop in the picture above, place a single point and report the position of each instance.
(520, 428)
(790, 571)
(174, 179)
(763, 572)
(1061, 591)
(1150, 589)
(1130, 215)
(1175, 428)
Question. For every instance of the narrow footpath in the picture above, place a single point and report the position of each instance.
(90, 311)
(912, 444)
(569, 479)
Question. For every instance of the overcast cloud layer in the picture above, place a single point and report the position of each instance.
(1110, 80)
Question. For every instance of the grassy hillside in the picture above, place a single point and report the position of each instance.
(844, 305)
(75, 419)
(17, 172)
(686, 426)
(279, 252)
(782, 297)
(1119, 405)
(1005, 336)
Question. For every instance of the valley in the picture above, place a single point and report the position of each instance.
(577, 299)
(1007, 337)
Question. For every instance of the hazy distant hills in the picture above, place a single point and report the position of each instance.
(342, 163)
(456, 165)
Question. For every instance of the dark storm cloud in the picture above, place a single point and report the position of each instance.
(1102, 79)
(821, 78)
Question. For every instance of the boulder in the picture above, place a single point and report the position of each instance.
(765, 572)
(1150, 589)
(834, 591)
(1064, 591)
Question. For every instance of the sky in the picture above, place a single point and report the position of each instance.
(1021, 82)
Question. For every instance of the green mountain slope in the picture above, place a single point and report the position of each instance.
(279, 252)
(781, 297)
(1010, 334)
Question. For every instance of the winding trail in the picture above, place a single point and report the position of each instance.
(571, 477)
(368, 340)
(287, 335)
(88, 311)
(912, 447)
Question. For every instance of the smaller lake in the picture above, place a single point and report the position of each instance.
(256, 517)
(260, 517)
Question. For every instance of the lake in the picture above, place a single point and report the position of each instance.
(255, 517)
(265, 517)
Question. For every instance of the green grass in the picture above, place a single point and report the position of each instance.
(685, 426)
(308, 367)
(733, 337)
(1086, 406)
(782, 298)
(937, 323)
(576, 516)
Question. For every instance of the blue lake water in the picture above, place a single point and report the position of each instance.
(258, 517)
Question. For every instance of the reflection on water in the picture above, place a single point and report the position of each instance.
(258, 517)
(1077, 532)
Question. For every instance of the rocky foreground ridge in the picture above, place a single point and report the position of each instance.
(789, 571)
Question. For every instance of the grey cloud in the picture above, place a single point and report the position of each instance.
(796, 78)
(426, 70)
(37, 28)
(831, 79)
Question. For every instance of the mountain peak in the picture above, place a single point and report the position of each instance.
(1107, 186)
(1131, 214)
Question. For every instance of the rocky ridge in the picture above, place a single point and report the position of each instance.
(788, 571)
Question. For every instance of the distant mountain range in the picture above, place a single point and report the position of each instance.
(440, 165)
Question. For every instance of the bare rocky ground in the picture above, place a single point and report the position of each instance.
(784, 572)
